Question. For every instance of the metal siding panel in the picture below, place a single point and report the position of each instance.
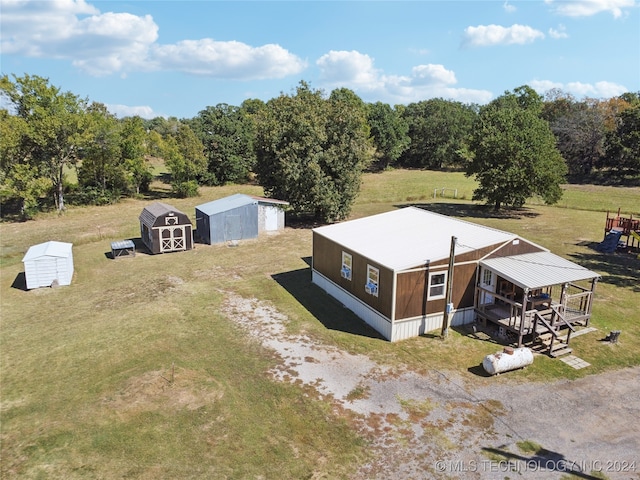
(416, 326)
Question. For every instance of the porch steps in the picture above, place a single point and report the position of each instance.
(560, 347)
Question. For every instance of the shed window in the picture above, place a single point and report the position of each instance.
(171, 220)
(347, 260)
(371, 286)
(437, 284)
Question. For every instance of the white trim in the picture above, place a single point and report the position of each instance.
(443, 284)
(372, 287)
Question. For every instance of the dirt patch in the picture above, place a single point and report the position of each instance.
(440, 425)
(170, 389)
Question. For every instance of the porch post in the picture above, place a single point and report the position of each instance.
(563, 303)
(523, 315)
(594, 282)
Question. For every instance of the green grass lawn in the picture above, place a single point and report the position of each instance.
(134, 371)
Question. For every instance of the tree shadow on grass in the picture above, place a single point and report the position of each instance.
(622, 268)
(473, 210)
(321, 305)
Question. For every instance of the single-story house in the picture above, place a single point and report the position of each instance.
(393, 269)
(164, 229)
(48, 264)
(238, 217)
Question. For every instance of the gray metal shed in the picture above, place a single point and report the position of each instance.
(238, 217)
(48, 264)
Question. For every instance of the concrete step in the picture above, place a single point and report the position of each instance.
(562, 349)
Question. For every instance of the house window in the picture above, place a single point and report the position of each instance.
(487, 277)
(437, 285)
(345, 272)
(373, 275)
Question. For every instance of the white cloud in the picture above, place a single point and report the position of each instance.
(586, 8)
(598, 90)
(432, 75)
(229, 60)
(354, 68)
(560, 32)
(601, 89)
(489, 35)
(356, 71)
(129, 111)
(106, 43)
(508, 7)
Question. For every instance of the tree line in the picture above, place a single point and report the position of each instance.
(307, 147)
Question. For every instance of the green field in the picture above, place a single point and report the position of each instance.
(134, 371)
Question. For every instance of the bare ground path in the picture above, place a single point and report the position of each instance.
(441, 425)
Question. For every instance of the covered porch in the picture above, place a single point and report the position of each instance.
(535, 298)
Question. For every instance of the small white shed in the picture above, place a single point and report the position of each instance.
(47, 264)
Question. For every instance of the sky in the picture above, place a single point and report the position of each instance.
(175, 58)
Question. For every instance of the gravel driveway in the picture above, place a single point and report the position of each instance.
(441, 425)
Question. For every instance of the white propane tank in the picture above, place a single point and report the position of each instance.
(508, 359)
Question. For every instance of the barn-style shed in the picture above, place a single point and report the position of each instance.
(238, 217)
(48, 264)
(392, 270)
(164, 229)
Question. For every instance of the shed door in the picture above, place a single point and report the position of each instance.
(172, 239)
(232, 228)
(271, 218)
(488, 281)
(46, 271)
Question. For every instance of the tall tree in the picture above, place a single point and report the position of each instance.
(439, 131)
(580, 135)
(622, 145)
(101, 167)
(20, 180)
(227, 134)
(184, 157)
(56, 125)
(389, 131)
(515, 156)
(133, 148)
(312, 151)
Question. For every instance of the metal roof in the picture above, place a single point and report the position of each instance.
(411, 237)
(269, 200)
(235, 201)
(226, 203)
(48, 249)
(537, 270)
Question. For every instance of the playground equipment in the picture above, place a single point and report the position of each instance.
(615, 229)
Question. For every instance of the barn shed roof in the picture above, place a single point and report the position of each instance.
(410, 237)
(48, 249)
(537, 270)
(151, 212)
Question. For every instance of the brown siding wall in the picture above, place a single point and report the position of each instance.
(412, 286)
(412, 291)
(327, 259)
